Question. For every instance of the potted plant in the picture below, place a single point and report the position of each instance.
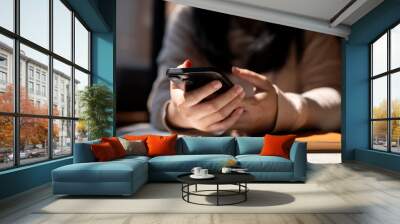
(96, 103)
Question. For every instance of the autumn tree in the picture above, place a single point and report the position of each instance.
(33, 131)
(380, 127)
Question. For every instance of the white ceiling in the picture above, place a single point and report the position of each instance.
(333, 17)
(320, 9)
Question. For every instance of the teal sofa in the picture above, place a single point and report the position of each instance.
(125, 176)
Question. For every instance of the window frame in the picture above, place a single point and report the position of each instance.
(16, 115)
(388, 74)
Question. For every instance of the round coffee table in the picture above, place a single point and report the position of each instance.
(238, 179)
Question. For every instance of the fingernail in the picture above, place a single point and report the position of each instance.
(188, 63)
(217, 84)
(238, 89)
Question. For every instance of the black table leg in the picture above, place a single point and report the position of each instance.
(217, 194)
(245, 193)
(195, 188)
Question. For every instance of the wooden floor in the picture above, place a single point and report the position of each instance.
(377, 188)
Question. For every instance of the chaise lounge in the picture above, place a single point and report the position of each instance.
(125, 176)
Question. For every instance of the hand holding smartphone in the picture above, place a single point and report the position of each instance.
(197, 77)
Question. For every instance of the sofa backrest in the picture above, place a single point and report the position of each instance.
(83, 152)
(206, 145)
(249, 145)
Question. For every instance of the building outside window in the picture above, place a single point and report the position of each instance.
(385, 91)
(3, 72)
(57, 127)
(30, 87)
(30, 72)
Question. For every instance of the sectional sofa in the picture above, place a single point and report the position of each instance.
(125, 176)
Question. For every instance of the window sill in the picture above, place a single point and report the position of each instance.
(382, 159)
(30, 166)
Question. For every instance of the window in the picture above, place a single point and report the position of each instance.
(43, 123)
(37, 89)
(30, 72)
(7, 14)
(30, 87)
(44, 91)
(385, 92)
(3, 72)
(3, 61)
(3, 78)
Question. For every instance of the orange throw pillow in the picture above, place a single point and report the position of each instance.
(161, 145)
(136, 137)
(103, 152)
(116, 145)
(277, 145)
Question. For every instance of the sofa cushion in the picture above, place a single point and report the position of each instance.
(103, 152)
(185, 163)
(249, 145)
(112, 171)
(257, 163)
(206, 145)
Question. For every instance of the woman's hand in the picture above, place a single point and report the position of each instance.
(186, 109)
(261, 108)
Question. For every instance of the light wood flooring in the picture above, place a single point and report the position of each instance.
(377, 188)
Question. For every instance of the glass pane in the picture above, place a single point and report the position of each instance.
(395, 138)
(379, 55)
(34, 92)
(379, 135)
(6, 74)
(62, 89)
(62, 29)
(33, 139)
(62, 138)
(81, 45)
(81, 81)
(395, 47)
(395, 94)
(81, 131)
(379, 97)
(6, 142)
(7, 14)
(35, 21)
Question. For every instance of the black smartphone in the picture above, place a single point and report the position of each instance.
(197, 77)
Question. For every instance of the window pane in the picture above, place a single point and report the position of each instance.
(62, 29)
(379, 97)
(81, 81)
(395, 47)
(62, 89)
(35, 21)
(81, 45)
(379, 135)
(6, 142)
(395, 136)
(7, 14)
(81, 132)
(395, 94)
(379, 55)
(62, 138)
(34, 97)
(6, 74)
(33, 140)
